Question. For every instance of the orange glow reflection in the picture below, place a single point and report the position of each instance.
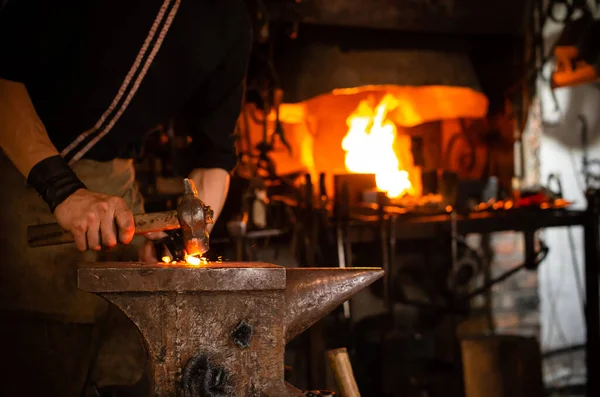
(370, 147)
(193, 260)
(189, 259)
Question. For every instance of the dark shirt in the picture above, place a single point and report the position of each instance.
(73, 57)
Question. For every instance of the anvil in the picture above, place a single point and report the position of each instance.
(220, 329)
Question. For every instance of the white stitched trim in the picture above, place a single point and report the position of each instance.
(124, 85)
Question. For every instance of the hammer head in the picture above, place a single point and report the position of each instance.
(194, 218)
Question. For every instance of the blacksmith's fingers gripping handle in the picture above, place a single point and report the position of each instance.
(54, 234)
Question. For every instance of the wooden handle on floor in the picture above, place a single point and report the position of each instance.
(342, 370)
(53, 234)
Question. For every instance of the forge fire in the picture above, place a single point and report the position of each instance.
(371, 145)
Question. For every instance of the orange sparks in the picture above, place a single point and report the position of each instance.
(189, 259)
(195, 261)
(192, 260)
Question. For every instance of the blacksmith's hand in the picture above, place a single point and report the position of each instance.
(96, 220)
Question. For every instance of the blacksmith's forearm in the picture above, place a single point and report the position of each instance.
(23, 137)
(212, 185)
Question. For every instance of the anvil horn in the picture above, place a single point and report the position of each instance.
(312, 293)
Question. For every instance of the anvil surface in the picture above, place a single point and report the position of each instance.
(220, 329)
(180, 277)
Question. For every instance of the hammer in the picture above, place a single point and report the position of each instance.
(192, 216)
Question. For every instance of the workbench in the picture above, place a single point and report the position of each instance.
(388, 228)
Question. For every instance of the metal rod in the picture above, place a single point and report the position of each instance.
(385, 248)
(454, 238)
(392, 261)
(487, 277)
(343, 245)
(592, 307)
(342, 263)
(308, 232)
(488, 284)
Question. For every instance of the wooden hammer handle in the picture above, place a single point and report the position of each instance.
(54, 234)
(342, 370)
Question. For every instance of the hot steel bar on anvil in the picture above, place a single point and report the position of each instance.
(220, 329)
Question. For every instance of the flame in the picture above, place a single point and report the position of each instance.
(369, 146)
(166, 259)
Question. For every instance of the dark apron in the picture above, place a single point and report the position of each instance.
(50, 331)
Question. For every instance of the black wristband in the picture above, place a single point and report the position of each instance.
(54, 180)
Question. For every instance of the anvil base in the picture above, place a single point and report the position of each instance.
(220, 329)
